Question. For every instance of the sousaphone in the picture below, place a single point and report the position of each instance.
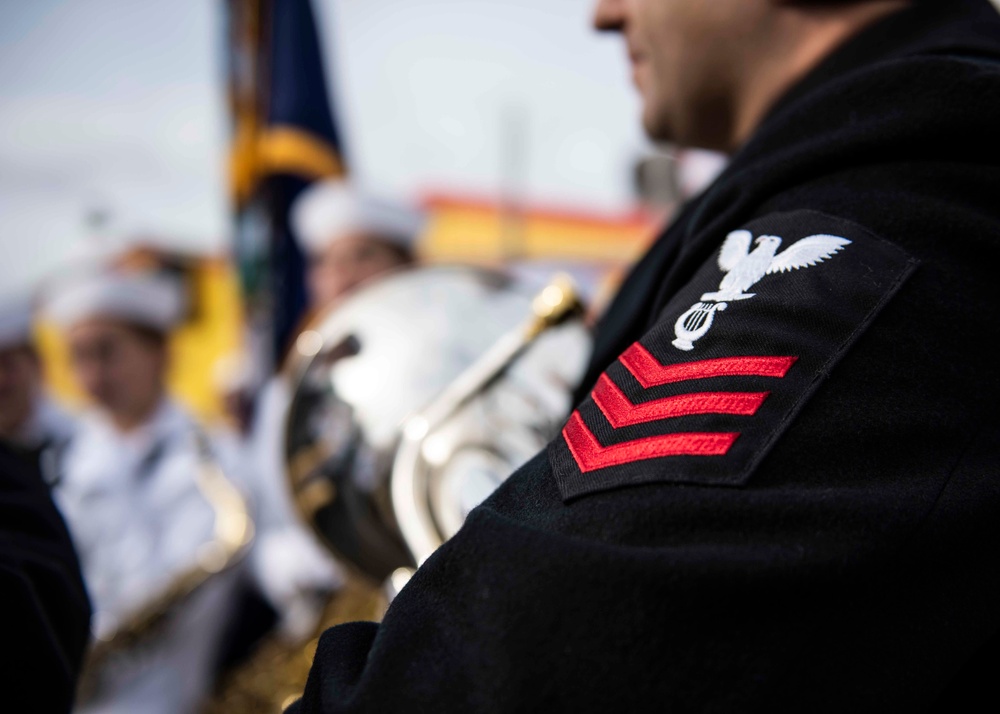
(416, 398)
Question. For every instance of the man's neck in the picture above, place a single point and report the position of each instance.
(127, 421)
(801, 37)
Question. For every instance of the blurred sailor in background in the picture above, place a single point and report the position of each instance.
(130, 495)
(31, 422)
(30, 419)
(351, 237)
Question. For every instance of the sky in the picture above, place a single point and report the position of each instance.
(119, 105)
(484, 96)
(113, 104)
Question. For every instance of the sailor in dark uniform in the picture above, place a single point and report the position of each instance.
(42, 593)
(780, 487)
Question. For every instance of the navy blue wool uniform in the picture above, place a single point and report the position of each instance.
(780, 487)
(43, 601)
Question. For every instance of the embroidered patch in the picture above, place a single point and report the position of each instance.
(702, 397)
(743, 268)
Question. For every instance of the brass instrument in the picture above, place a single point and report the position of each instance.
(233, 532)
(402, 418)
(412, 401)
(425, 515)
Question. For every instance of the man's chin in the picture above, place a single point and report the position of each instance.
(656, 126)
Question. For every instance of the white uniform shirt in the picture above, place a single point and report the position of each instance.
(292, 569)
(137, 519)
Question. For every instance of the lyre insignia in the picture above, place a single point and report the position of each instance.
(743, 268)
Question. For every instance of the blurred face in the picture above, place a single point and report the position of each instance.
(20, 378)
(685, 56)
(120, 367)
(346, 263)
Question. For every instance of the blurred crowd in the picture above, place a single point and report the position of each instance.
(127, 471)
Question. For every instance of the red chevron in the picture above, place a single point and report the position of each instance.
(650, 373)
(620, 411)
(590, 455)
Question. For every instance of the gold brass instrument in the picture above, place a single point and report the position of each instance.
(411, 402)
(233, 532)
(424, 516)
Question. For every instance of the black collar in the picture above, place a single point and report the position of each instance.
(964, 27)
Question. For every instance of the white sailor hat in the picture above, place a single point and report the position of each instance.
(15, 322)
(327, 210)
(147, 298)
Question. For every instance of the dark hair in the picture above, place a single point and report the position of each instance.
(402, 252)
(149, 334)
(28, 348)
(397, 245)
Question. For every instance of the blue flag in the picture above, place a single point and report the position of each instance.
(284, 138)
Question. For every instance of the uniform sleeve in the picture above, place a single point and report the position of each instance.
(780, 498)
(45, 609)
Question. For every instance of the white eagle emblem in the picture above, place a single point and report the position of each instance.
(743, 268)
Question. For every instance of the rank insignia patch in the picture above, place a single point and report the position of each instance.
(701, 399)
